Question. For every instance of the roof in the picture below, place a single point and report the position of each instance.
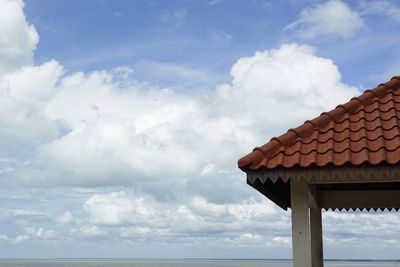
(365, 130)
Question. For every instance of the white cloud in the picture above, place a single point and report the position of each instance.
(3, 237)
(128, 232)
(333, 17)
(32, 233)
(117, 208)
(21, 238)
(18, 39)
(201, 207)
(23, 97)
(177, 222)
(22, 217)
(195, 219)
(381, 7)
(266, 87)
(19, 212)
(101, 128)
(282, 240)
(40, 233)
(127, 135)
(134, 134)
(92, 231)
(65, 218)
(362, 228)
(121, 132)
(251, 237)
(144, 218)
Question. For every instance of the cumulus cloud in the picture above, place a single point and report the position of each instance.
(117, 208)
(128, 134)
(144, 219)
(103, 129)
(3, 237)
(18, 38)
(92, 232)
(332, 18)
(359, 227)
(40, 233)
(32, 233)
(134, 232)
(267, 85)
(65, 218)
(23, 97)
(21, 238)
(195, 219)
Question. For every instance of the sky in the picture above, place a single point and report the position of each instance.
(122, 122)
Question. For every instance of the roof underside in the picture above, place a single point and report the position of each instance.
(276, 184)
(279, 192)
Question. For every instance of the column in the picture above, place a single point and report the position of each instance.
(316, 237)
(301, 239)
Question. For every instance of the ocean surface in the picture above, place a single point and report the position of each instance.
(178, 263)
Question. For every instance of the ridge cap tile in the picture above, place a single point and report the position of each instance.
(288, 138)
(336, 114)
(305, 130)
(382, 89)
(294, 131)
(366, 96)
(271, 147)
(351, 106)
(321, 121)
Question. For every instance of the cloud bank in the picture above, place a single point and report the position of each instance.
(100, 128)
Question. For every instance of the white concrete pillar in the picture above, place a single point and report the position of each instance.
(316, 237)
(301, 239)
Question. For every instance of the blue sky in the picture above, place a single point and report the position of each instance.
(123, 122)
(204, 35)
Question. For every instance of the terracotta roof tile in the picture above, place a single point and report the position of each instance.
(364, 130)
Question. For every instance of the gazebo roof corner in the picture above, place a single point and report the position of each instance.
(364, 130)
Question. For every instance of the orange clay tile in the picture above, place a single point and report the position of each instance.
(365, 130)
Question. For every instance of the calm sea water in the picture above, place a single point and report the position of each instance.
(182, 263)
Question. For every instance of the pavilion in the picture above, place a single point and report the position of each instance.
(347, 158)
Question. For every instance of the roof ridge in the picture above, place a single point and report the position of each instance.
(304, 130)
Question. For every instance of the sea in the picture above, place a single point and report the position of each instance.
(181, 263)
